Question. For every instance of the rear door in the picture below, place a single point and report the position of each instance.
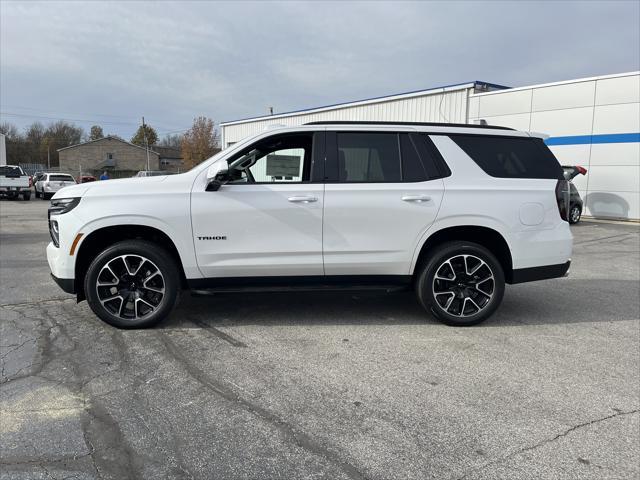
(383, 191)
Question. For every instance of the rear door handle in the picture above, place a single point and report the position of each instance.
(416, 198)
(303, 199)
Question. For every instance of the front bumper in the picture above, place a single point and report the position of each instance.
(68, 285)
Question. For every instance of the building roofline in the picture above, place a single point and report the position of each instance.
(395, 96)
(562, 82)
(105, 138)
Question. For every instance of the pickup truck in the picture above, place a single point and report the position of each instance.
(14, 182)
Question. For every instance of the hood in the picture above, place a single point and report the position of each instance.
(123, 184)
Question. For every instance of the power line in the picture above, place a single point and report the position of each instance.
(67, 119)
(66, 113)
(95, 121)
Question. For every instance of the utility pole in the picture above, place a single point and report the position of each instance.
(146, 143)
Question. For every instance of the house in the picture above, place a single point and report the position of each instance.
(109, 153)
(170, 158)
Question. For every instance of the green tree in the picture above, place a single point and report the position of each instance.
(96, 133)
(139, 137)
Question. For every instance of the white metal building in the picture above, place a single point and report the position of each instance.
(593, 122)
(442, 104)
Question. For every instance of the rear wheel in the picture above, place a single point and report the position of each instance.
(574, 214)
(132, 284)
(461, 284)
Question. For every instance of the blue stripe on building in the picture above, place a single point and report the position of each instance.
(587, 139)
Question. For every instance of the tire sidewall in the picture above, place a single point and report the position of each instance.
(157, 255)
(436, 258)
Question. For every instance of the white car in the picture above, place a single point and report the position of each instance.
(48, 184)
(452, 211)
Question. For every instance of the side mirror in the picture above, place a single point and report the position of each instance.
(217, 175)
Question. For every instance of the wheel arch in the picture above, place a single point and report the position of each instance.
(103, 237)
(488, 237)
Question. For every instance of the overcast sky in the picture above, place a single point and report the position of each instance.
(112, 62)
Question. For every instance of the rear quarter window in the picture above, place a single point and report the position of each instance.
(510, 157)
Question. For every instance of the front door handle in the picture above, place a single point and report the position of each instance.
(303, 199)
(416, 198)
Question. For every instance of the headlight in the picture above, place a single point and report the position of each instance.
(63, 205)
(58, 207)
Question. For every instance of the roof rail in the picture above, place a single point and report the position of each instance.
(422, 124)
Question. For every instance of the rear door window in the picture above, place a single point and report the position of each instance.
(412, 168)
(510, 157)
(368, 157)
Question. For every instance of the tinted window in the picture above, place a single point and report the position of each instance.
(368, 157)
(412, 169)
(510, 157)
(433, 162)
(11, 171)
(61, 178)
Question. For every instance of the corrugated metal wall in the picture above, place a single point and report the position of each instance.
(592, 122)
(448, 106)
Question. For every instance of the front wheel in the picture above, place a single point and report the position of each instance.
(132, 284)
(461, 284)
(26, 196)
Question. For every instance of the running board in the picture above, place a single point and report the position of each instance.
(335, 283)
(301, 288)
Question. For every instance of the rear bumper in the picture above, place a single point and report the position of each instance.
(66, 284)
(15, 189)
(522, 275)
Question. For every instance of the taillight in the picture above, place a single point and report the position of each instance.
(562, 197)
(30, 181)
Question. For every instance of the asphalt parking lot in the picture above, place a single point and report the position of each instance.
(323, 385)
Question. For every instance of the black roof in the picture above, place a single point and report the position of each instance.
(422, 124)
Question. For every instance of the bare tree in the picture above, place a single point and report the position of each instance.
(199, 142)
(171, 140)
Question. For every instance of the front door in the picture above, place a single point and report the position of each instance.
(383, 196)
(267, 220)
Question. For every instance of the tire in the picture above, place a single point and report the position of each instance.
(37, 194)
(46, 196)
(156, 272)
(574, 214)
(26, 196)
(471, 300)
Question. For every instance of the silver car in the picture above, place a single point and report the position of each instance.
(50, 183)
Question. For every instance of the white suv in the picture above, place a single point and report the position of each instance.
(452, 211)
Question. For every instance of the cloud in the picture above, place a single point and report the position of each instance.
(116, 61)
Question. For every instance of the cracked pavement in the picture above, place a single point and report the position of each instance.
(323, 385)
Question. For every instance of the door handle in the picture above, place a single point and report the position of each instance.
(303, 199)
(416, 198)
